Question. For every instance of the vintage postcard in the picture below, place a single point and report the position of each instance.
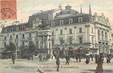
(56, 36)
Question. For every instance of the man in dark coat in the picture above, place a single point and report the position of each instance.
(87, 59)
(99, 68)
(58, 63)
(13, 57)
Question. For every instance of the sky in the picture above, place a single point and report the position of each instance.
(26, 8)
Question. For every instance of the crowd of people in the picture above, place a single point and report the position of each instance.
(98, 59)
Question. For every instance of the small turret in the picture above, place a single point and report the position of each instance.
(80, 9)
(68, 7)
(60, 7)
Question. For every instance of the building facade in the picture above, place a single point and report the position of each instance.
(63, 28)
(86, 31)
(40, 38)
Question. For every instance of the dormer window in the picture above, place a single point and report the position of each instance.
(70, 21)
(61, 22)
(67, 7)
(80, 19)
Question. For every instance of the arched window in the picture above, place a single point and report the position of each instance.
(105, 35)
(70, 31)
(23, 36)
(16, 36)
(80, 40)
(10, 36)
(70, 21)
(80, 19)
(80, 30)
(98, 34)
(61, 32)
(102, 35)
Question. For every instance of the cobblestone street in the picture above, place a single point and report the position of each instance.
(33, 66)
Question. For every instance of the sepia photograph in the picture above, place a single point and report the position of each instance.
(56, 36)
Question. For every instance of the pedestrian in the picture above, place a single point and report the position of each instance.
(13, 57)
(67, 59)
(58, 63)
(87, 59)
(79, 58)
(99, 68)
(76, 58)
(108, 58)
(96, 58)
(91, 56)
(40, 57)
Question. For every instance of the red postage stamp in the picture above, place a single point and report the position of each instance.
(8, 9)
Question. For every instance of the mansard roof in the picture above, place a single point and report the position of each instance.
(67, 12)
(13, 28)
(73, 16)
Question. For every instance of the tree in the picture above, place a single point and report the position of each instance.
(11, 47)
(31, 49)
(22, 51)
(31, 46)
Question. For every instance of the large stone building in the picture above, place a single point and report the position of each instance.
(80, 30)
(21, 36)
(69, 28)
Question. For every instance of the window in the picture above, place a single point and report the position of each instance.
(61, 32)
(75, 27)
(56, 29)
(53, 33)
(80, 30)
(92, 40)
(105, 35)
(23, 43)
(98, 35)
(80, 40)
(61, 40)
(92, 29)
(29, 35)
(5, 44)
(23, 36)
(102, 35)
(80, 19)
(61, 22)
(5, 38)
(65, 28)
(16, 36)
(53, 42)
(37, 44)
(13, 34)
(70, 21)
(70, 39)
(10, 36)
(70, 31)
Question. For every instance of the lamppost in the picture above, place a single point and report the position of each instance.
(16, 45)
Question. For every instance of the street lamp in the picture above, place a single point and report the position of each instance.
(16, 41)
